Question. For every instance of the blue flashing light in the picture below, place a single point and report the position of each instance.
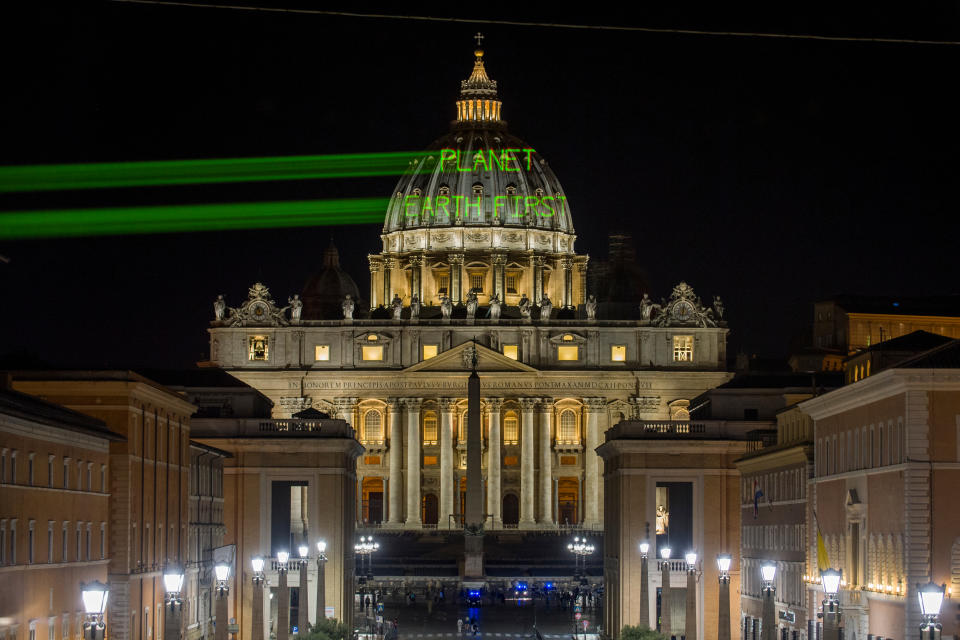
(521, 586)
(474, 593)
(548, 585)
(896, 304)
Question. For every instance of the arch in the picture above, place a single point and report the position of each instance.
(372, 426)
(431, 509)
(511, 509)
(372, 500)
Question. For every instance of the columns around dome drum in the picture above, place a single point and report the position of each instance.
(499, 264)
(567, 265)
(416, 277)
(456, 277)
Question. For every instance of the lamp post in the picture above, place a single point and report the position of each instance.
(172, 583)
(931, 599)
(644, 585)
(257, 563)
(365, 549)
(769, 571)
(665, 591)
(582, 549)
(94, 602)
(691, 615)
(222, 571)
(830, 579)
(303, 611)
(723, 617)
(321, 580)
(283, 597)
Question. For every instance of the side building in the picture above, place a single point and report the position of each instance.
(54, 521)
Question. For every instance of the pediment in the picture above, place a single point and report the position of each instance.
(460, 358)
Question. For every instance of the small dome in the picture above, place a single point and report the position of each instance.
(324, 292)
(479, 159)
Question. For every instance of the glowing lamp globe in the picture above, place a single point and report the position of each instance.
(304, 550)
(222, 571)
(257, 563)
(321, 546)
(665, 553)
(173, 579)
(283, 556)
(94, 597)
(691, 558)
(723, 562)
(931, 598)
(831, 581)
(768, 571)
(644, 547)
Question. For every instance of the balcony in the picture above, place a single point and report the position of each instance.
(684, 430)
(276, 428)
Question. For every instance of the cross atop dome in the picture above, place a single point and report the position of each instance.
(479, 39)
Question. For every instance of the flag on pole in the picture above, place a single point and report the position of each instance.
(823, 560)
(757, 494)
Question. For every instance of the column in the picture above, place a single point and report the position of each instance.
(499, 265)
(396, 463)
(494, 500)
(283, 606)
(567, 265)
(374, 270)
(257, 615)
(456, 277)
(416, 277)
(582, 279)
(303, 611)
(413, 461)
(527, 406)
(645, 592)
(344, 408)
(691, 609)
(723, 617)
(537, 279)
(546, 463)
(388, 265)
(665, 598)
(220, 630)
(447, 406)
(591, 462)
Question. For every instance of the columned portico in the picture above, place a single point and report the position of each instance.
(413, 461)
(447, 406)
(546, 463)
(526, 461)
(591, 498)
(493, 464)
(396, 463)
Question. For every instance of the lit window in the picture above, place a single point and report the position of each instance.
(567, 337)
(443, 284)
(476, 281)
(511, 429)
(512, 280)
(372, 337)
(568, 353)
(259, 349)
(511, 351)
(372, 353)
(568, 427)
(373, 426)
(683, 348)
(322, 352)
(429, 351)
(430, 428)
(618, 353)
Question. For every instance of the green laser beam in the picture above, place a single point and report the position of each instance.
(55, 177)
(195, 217)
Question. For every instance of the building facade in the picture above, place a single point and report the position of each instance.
(887, 452)
(149, 482)
(54, 521)
(477, 268)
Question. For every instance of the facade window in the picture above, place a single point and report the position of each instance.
(50, 469)
(373, 426)
(50, 541)
(66, 473)
(88, 541)
(321, 352)
(13, 541)
(618, 353)
(89, 476)
(372, 352)
(103, 478)
(511, 351)
(430, 351)
(30, 459)
(3, 466)
(568, 427)
(568, 352)
(430, 428)
(63, 543)
(683, 348)
(443, 284)
(79, 550)
(259, 348)
(3, 542)
(13, 467)
(513, 280)
(511, 429)
(31, 538)
(476, 281)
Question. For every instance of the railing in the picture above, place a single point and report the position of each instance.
(669, 429)
(675, 565)
(252, 428)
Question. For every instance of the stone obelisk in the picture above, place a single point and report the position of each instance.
(473, 522)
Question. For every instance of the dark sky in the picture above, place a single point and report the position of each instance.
(770, 172)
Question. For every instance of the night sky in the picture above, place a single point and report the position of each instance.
(770, 172)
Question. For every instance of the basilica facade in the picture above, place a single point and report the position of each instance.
(476, 270)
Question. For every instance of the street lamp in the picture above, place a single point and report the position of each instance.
(644, 588)
(173, 583)
(691, 614)
(303, 613)
(258, 631)
(321, 580)
(931, 599)
(768, 571)
(582, 549)
(724, 560)
(830, 579)
(222, 572)
(283, 593)
(94, 602)
(365, 549)
(665, 623)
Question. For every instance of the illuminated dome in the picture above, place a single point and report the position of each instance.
(517, 189)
